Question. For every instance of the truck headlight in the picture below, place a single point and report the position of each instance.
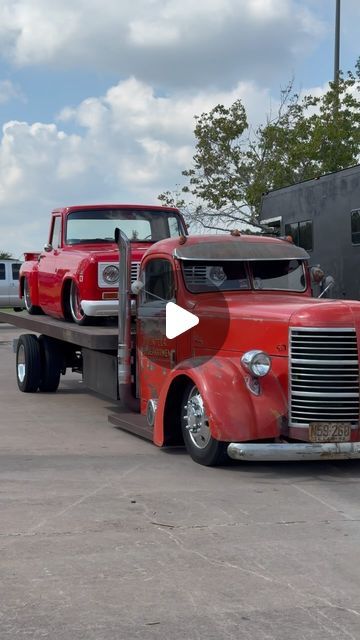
(257, 362)
(111, 274)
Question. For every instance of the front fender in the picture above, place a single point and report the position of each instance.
(235, 413)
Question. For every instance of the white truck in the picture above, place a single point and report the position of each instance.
(9, 284)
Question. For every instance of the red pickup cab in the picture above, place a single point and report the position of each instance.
(76, 276)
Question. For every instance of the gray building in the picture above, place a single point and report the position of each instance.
(323, 217)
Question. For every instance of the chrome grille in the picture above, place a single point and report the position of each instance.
(135, 268)
(323, 376)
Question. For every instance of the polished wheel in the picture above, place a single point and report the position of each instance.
(29, 306)
(198, 440)
(76, 310)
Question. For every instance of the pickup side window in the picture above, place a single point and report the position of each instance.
(2, 271)
(15, 270)
(159, 281)
(55, 239)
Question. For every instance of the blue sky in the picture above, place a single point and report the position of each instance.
(97, 98)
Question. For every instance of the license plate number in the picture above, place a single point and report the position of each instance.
(329, 432)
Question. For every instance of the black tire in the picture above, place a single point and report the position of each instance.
(29, 306)
(200, 444)
(51, 364)
(28, 363)
(76, 311)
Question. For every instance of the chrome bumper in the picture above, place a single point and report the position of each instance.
(293, 451)
(100, 307)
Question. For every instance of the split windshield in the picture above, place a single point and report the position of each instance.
(98, 225)
(265, 275)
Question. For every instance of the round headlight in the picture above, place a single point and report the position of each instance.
(111, 274)
(257, 362)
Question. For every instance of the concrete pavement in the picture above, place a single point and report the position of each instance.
(105, 537)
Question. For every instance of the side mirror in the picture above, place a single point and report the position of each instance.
(136, 287)
(328, 284)
(48, 247)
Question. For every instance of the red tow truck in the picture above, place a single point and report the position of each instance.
(267, 372)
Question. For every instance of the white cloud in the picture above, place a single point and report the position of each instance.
(130, 145)
(9, 91)
(164, 42)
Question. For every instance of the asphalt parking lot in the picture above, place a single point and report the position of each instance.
(105, 537)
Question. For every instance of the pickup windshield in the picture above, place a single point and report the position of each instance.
(279, 275)
(98, 225)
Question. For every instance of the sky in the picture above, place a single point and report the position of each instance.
(98, 97)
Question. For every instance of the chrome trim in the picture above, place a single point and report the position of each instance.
(323, 376)
(98, 308)
(293, 451)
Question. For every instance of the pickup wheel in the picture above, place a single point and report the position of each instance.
(76, 311)
(51, 361)
(28, 363)
(200, 444)
(29, 306)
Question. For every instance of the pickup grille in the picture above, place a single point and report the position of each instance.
(196, 274)
(135, 268)
(323, 376)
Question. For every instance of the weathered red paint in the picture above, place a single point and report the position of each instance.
(256, 320)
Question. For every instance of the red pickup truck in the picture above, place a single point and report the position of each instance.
(76, 276)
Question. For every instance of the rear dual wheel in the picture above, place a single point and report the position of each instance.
(38, 363)
(29, 306)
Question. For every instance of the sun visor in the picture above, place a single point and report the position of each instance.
(240, 250)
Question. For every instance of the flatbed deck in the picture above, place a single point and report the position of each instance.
(102, 338)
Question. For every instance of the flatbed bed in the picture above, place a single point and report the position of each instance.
(101, 338)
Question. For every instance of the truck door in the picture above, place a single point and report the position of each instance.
(49, 294)
(156, 354)
(4, 285)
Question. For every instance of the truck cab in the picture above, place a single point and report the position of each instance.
(267, 364)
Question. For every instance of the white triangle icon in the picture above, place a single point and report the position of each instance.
(178, 320)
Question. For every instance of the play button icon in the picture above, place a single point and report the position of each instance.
(178, 320)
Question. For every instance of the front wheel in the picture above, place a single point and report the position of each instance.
(200, 444)
(76, 310)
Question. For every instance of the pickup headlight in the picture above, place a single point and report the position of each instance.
(111, 274)
(257, 362)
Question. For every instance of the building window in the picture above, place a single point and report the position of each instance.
(301, 233)
(355, 226)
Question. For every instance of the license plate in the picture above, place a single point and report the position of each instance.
(329, 432)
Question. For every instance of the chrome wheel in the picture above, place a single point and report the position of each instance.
(77, 312)
(196, 420)
(27, 298)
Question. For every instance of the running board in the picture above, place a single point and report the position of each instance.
(133, 423)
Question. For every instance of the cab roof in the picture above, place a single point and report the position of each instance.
(229, 247)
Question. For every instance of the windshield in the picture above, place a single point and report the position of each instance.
(98, 225)
(282, 275)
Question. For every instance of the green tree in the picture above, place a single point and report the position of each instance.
(234, 165)
(4, 255)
